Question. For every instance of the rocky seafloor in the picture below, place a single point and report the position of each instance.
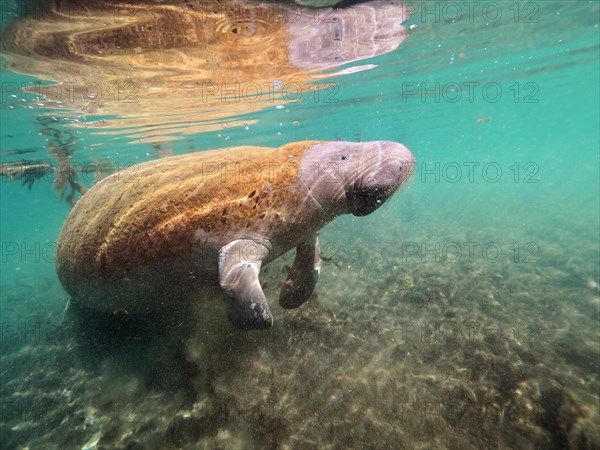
(395, 350)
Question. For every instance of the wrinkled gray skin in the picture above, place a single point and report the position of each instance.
(329, 37)
(353, 178)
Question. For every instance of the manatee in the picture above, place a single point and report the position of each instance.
(144, 240)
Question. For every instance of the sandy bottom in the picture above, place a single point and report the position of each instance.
(393, 351)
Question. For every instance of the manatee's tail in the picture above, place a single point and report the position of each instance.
(100, 332)
(151, 350)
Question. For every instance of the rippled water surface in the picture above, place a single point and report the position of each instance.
(463, 313)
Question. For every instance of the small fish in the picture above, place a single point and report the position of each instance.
(592, 284)
(121, 312)
(331, 260)
(21, 151)
(28, 171)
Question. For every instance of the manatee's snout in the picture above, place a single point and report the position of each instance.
(379, 169)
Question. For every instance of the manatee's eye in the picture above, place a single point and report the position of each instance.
(343, 158)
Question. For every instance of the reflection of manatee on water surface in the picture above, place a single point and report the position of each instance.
(184, 66)
(346, 35)
(148, 241)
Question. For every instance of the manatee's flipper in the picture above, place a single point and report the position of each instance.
(303, 275)
(239, 265)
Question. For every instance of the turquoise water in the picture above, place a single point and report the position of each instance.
(498, 227)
